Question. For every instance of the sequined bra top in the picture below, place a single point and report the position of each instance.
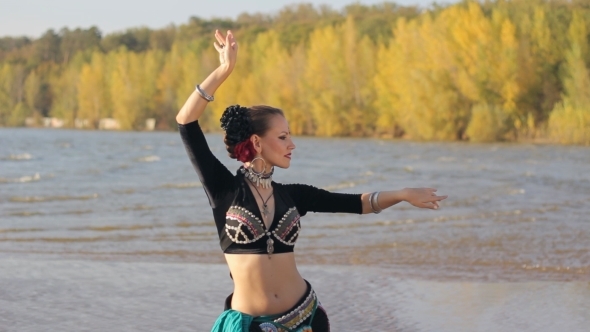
(236, 213)
(245, 231)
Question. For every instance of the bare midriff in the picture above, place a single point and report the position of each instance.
(263, 285)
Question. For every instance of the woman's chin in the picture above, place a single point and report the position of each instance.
(284, 165)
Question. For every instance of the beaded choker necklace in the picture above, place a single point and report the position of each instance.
(259, 179)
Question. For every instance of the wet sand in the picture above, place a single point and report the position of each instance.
(44, 294)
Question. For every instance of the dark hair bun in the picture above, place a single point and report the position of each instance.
(237, 124)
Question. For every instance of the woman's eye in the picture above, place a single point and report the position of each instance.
(283, 137)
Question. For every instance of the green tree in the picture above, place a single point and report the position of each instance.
(47, 47)
(340, 67)
(133, 87)
(74, 41)
(32, 91)
(12, 94)
(570, 120)
(93, 92)
(65, 105)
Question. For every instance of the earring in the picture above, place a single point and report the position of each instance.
(261, 173)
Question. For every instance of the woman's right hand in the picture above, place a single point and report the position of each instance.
(227, 46)
(422, 197)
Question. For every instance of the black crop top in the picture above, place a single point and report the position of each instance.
(236, 213)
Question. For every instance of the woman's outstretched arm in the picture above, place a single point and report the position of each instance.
(419, 197)
(195, 104)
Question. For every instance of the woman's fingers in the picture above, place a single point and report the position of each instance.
(227, 47)
(226, 42)
(429, 199)
(231, 41)
(423, 197)
(220, 43)
(439, 198)
(228, 38)
(220, 38)
(432, 205)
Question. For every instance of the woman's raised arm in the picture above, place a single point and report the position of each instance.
(196, 102)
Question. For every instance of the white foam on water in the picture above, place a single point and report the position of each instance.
(22, 179)
(22, 156)
(37, 199)
(182, 185)
(519, 191)
(341, 185)
(149, 159)
(446, 159)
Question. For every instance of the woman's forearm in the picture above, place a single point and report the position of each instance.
(419, 197)
(195, 104)
(385, 200)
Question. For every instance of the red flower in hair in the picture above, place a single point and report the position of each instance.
(244, 151)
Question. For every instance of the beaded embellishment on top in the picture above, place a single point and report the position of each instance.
(249, 228)
(253, 228)
(288, 228)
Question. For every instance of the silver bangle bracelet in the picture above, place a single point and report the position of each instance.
(377, 202)
(373, 201)
(204, 94)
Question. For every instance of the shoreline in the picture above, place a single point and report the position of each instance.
(387, 137)
(66, 294)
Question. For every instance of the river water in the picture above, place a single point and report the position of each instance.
(515, 212)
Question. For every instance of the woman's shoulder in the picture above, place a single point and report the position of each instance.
(293, 185)
(296, 190)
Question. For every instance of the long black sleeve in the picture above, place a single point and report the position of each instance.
(215, 177)
(309, 198)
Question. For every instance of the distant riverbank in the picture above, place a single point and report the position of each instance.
(111, 124)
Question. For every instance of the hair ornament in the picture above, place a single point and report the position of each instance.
(237, 124)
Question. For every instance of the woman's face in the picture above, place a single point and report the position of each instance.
(276, 145)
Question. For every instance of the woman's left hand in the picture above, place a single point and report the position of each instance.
(423, 197)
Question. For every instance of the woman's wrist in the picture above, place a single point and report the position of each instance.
(402, 195)
(225, 69)
(390, 198)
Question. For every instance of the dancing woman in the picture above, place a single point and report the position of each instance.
(258, 220)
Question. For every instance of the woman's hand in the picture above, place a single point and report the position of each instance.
(227, 48)
(419, 197)
(195, 104)
(422, 197)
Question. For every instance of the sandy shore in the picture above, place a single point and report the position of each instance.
(80, 295)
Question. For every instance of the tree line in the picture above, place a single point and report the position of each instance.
(479, 71)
